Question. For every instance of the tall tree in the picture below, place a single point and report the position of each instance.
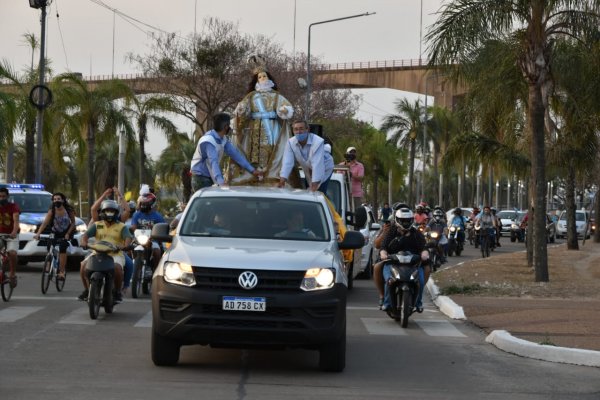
(464, 25)
(150, 109)
(173, 165)
(85, 112)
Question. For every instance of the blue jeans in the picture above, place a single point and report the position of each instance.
(387, 274)
(199, 182)
(322, 187)
(127, 271)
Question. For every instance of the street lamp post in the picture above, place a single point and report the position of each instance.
(308, 74)
(42, 70)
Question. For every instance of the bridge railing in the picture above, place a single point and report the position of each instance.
(419, 62)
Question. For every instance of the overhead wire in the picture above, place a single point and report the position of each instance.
(62, 40)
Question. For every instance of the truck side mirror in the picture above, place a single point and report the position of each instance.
(352, 240)
(360, 217)
(160, 233)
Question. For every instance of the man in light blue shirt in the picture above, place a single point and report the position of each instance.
(211, 146)
(308, 150)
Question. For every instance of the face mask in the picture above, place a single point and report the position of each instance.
(302, 137)
(109, 216)
(145, 207)
(3, 202)
(58, 204)
(350, 157)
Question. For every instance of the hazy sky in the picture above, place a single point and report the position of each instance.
(86, 43)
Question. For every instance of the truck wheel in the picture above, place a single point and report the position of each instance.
(332, 356)
(165, 351)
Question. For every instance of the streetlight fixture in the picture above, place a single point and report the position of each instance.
(308, 74)
(37, 4)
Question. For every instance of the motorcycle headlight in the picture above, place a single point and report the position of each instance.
(435, 235)
(514, 226)
(179, 273)
(318, 279)
(452, 229)
(27, 228)
(142, 239)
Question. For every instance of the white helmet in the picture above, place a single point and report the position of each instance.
(404, 217)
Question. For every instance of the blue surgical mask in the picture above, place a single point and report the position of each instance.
(302, 136)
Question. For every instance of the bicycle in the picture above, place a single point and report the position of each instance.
(51, 265)
(5, 285)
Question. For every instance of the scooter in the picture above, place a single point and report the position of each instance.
(455, 243)
(100, 271)
(433, 239)
(403, 286)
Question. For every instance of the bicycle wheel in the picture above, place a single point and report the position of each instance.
(47, 272)
(60, 283)
(6, 287)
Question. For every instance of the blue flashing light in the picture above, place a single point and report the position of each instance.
(37, 186)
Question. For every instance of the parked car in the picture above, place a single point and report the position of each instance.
(507, 217)
(270, 274)
(34, 203)
(581, 219)
(369, 231)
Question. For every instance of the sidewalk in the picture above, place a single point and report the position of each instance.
(559, 330)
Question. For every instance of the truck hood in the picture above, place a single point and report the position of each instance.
(266, 254)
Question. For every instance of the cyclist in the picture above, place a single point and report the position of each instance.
(61, 219)
(111, 230)
(9, 224)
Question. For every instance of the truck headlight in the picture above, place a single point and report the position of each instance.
(179, 273)
(318, 279)
(27, 228)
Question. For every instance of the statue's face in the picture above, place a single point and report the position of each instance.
(262, 77)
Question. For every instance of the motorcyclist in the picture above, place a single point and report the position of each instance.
(402, 236)
(109, 229)
(145, 218)
(438, 224)
(459, 220)
(498, 226)
(421, 217)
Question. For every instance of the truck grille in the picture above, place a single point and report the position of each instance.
(226, 278)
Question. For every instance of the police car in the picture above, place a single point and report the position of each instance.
(34, 202)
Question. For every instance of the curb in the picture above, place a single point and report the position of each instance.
(504, 341)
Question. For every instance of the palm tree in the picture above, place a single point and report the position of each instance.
(173, 165)
(150, 109)
(85, 113)
(408, 129)
(465, 25)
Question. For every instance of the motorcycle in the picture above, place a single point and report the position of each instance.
(455, 242)
(141, 281)
(100, 271)
(432, 245)
(403, 286)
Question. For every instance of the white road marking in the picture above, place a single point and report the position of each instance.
(433, 327)
(145, 321)
(383, 326)
(12, 314)
(80, 316)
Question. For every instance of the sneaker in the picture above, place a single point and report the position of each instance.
(118, 297)
(380, 303)
(419, 309)
(84, 295)
(384, 307)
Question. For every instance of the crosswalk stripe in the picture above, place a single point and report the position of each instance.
(12, 314)
(440, 327)
(145, 321)
(383, 326)
(80, 316)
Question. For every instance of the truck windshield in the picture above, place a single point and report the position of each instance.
(256, 218)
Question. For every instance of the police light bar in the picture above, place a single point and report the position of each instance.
(37, 186)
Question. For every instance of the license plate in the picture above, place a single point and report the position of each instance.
(232, 303)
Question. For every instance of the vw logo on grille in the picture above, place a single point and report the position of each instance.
(248, 280)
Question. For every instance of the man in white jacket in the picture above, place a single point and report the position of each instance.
(308, 150)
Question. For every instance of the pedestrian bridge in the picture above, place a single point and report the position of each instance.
(406, 75)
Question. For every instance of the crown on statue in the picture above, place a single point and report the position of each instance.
(257, 63)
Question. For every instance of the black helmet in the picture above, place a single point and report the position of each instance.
(458, 211)
(109, 210)
(438, 214)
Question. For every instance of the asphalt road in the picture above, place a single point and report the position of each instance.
(50, 349)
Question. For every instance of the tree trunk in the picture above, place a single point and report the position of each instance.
(572, 242)
(435, 172)
(538, 175)
(186, 181)
(530, 225)
(142, 135)
(91, 177)
(411, 175)
(375, 205)
(596, 213)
